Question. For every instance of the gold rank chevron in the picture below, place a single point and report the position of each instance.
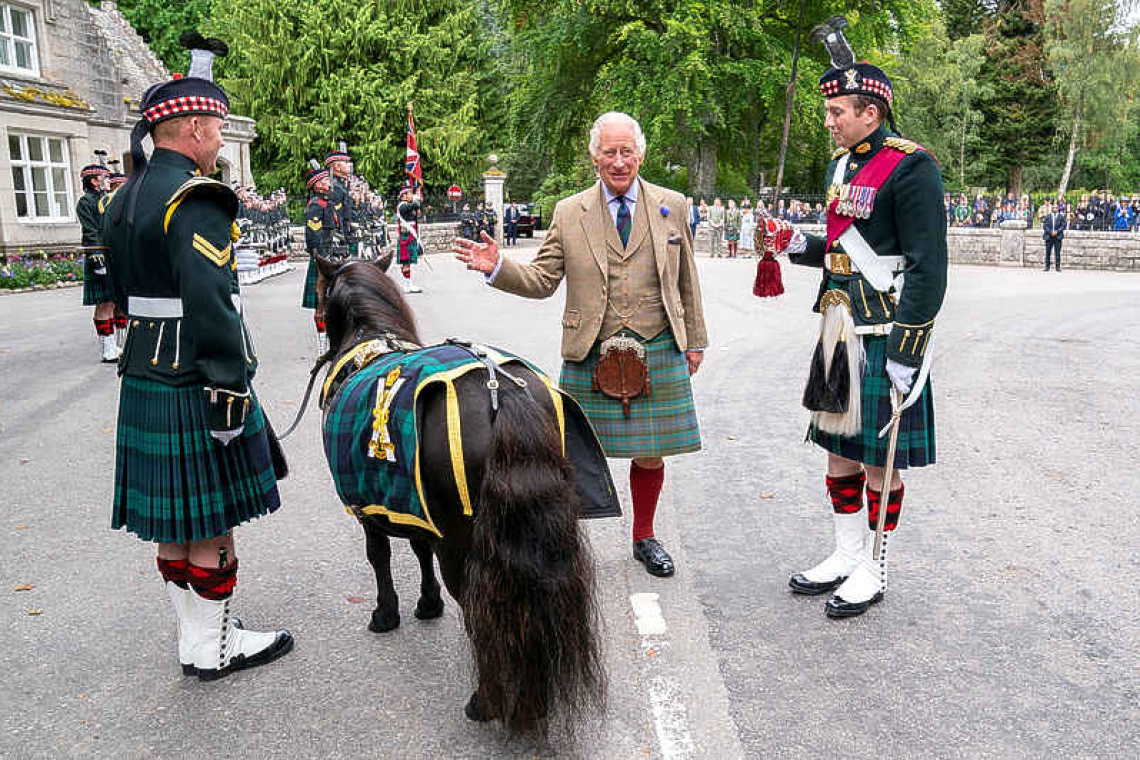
(314, 224)
(207, 249)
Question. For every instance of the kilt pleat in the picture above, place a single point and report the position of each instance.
(660, 424)
(916, 426)
(173, 482)
(96, 287)
(309, 294)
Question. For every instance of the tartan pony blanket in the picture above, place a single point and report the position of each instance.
(372, 431)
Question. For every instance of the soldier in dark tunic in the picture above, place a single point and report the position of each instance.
(885, 218)
(320, 222)
(408, 253)
(468, 228)
(340, 196)
(96, 286)
(195, 455)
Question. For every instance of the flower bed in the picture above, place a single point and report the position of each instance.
(27, 271)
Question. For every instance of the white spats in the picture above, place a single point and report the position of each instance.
(109, 348)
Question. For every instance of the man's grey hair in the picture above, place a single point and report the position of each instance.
(616, 117)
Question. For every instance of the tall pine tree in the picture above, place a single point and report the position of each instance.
(1019, 106)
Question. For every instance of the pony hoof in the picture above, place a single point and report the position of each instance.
(384, 623)
(474, 712)
(429, 610)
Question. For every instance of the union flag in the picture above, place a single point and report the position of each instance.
(412, 158)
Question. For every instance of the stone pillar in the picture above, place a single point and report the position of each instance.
(493, 180)
(1013, 242)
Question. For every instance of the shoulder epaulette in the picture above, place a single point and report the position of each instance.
(902, 144)
(839, 153)
(201, 184)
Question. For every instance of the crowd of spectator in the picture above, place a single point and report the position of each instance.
(1100, 212)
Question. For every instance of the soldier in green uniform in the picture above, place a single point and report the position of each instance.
(409, 249)
(96, 286)
(320, 221)
(884, 267)
(340, 196)
(195, 455)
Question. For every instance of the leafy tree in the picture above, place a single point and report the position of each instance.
(1087, 51)
(965, 17)
(314, 73)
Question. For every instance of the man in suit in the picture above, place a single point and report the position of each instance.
(694, 215)
(631, 281)
(1053, 230)
(511, 223)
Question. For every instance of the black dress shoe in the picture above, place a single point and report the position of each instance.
(650, 552)
(802, 585)
(838, 608)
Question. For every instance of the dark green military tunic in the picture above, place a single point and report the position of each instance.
(96, 286)
(187, 363)
(907, 219)
(320, 221)
(341, 200)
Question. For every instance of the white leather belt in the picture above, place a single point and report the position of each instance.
(164, 308)
(883, 329)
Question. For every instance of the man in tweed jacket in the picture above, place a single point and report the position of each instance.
(626, 252)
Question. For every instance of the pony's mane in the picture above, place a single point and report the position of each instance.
(364, 301)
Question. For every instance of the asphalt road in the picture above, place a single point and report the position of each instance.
(1009, 629)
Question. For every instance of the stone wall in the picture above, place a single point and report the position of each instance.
(1013, 245)
(435, 237)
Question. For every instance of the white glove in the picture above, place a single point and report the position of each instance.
(902, 376)
(225, 436)
(798, 243)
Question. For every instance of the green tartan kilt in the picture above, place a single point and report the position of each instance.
(173, 482)
(660, 424)
(96, 287)
(916, 426)
(309, 294)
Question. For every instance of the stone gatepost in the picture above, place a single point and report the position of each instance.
(1013, 242)
(493, 180)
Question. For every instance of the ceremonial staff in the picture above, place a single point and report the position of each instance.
(888, 471)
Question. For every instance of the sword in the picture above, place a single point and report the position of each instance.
(888, 471)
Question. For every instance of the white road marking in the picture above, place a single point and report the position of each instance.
(666, 698)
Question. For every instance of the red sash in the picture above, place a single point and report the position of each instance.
(874, 174)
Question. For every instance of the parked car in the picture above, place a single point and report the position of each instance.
(530, 219)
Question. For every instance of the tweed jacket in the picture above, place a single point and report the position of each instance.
(576, 244)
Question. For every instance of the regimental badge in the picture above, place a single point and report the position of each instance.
(852, 79)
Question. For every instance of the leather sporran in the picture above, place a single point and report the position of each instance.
(621, 372)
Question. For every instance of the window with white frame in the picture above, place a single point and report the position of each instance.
(41, 175)
(17, 40)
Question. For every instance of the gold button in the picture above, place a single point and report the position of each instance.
(136, 324)
(152, 325)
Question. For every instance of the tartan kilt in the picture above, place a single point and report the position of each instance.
(660, 424)
(916, 426)
(309, 294)
(96, 287)
(409, 251)
(173, 482)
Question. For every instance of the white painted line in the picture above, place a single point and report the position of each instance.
(670, 719)
(647, 615)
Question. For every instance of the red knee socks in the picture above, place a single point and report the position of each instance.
(174, 571)
(213, 583)
(846, 493)
(104, 327)
(120, 322)
(894, 506)
(644, 488)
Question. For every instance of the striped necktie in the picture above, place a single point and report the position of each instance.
(624, 222)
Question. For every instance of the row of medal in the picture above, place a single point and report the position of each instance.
(854, 200)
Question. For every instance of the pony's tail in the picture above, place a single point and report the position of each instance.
(530, 604)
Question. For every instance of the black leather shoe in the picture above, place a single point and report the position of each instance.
(802, 585)
(838, 608)
(650, 552)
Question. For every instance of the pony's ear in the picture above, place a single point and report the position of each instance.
(384, 262)
(325, 267)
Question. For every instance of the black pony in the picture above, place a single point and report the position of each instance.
(521, 567)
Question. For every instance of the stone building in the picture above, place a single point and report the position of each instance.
(71, 75)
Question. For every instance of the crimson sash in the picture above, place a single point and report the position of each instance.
(874, 174)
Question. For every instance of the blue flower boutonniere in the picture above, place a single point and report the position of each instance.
(665, 211)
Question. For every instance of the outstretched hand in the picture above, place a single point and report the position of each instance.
(482, 257)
